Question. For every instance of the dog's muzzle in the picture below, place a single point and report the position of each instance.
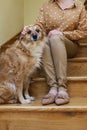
(34, 37)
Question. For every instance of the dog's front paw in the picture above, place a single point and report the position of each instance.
(27, 97)
(27, 101)
(32, 98)
(12, 101)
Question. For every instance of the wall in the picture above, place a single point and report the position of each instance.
(31, 9)
(11, 18)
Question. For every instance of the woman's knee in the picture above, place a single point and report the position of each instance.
(56, 41)
(55, 38)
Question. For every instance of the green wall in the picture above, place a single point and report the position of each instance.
(31, 9)
(11, 18)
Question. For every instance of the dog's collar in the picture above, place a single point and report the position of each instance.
(22, 47)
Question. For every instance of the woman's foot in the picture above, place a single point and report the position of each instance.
(50, 97)
(62, 97)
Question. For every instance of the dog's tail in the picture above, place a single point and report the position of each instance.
(7, 94)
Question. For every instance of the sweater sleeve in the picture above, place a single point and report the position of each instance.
(81, 31)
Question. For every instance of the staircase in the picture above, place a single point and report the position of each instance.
(34, 116)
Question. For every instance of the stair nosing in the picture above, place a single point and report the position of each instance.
(73, 78)
(43, 108)
(77, 78)
(83, 44)
(78, 59)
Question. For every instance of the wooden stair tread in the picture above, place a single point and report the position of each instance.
(83, 44)
(76, 104)
(78, 78)
(78, 59)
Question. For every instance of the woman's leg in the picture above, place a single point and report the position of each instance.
(61, 48)
(48, 67)
(55, 63)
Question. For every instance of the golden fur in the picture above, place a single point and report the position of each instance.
(17, 63)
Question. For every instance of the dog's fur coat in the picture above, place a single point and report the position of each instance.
(17, 63)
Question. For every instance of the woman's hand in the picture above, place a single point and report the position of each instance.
(25, 29)
(54, 32)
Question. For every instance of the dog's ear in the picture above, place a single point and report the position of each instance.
(44, 33)
(21, 37)
(38, 25)
(43, 30)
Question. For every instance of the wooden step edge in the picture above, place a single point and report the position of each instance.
(48, 108)
(83, 44)
(80, 78)
(78, 59)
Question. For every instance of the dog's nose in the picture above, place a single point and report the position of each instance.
(34, 36)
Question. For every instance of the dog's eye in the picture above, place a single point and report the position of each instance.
(29, 32)
(37, 30)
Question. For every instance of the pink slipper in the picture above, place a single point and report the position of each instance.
(50, 97)
(62, 97)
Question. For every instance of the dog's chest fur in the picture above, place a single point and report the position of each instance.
(15, 62)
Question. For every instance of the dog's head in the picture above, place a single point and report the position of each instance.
(33, 33)
(33, 39)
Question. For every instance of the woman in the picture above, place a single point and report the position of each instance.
(64, 21)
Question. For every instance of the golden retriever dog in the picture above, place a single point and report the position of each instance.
(17, 63)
